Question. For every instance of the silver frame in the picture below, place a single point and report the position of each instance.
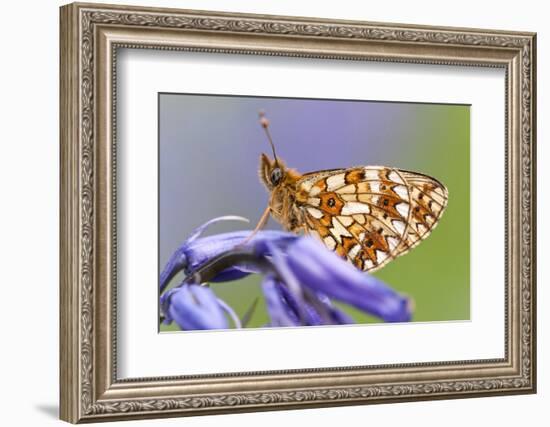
(90, 37)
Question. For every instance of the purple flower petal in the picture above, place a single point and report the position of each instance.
(285, 310)
(280, 312)
(176, 263)
(194, 307)
(310, 316)
(322, 270)
(206, 248)
(293, 287)
(197, 251)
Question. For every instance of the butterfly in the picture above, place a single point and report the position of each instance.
(369, 215)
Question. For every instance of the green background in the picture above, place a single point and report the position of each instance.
(220, 134)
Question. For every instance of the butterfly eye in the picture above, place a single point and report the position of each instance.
(276, 176)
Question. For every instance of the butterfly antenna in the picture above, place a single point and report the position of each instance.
(265, 124)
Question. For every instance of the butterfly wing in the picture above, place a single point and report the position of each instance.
(370, 215)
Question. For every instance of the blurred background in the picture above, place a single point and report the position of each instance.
(209, 148)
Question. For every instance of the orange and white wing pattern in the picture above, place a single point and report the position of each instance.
(370, 215)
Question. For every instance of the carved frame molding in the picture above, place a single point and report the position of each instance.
(90, 37)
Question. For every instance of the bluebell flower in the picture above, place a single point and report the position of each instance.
(301, 280)
(307, 307)
(196, 307)
(284, 309)
(197, 251)
(321, 270)
(281, 310)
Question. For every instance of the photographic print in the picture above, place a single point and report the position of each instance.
(277, 212)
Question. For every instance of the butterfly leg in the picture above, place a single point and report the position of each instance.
(261, 223)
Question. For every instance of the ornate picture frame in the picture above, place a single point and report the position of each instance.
(90, 37)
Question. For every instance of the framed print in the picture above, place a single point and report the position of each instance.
(265, 212)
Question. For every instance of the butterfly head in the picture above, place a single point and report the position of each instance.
(272, 172)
